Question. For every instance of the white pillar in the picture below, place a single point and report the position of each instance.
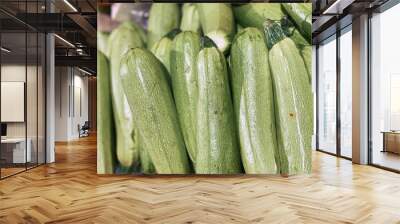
(50, 93)
(360, 90)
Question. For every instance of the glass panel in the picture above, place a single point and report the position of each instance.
(32, 88)
(327, 96)
(13, 90)
(385, 91)
(23, 88)
(31, 97)
(314, 88)
(346, 93)
(41, 99)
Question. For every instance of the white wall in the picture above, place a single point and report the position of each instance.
(62, 81)
(12, 73)
(70, 83)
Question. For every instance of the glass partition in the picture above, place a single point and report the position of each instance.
(41, 97)
(327, 95)
(14, 153)
(346, 92)
(32, 96)
(385, 89)
(22, 77)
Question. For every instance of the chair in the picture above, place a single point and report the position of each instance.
(84, 130)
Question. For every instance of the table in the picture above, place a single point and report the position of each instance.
(391, 141)
(16, 147)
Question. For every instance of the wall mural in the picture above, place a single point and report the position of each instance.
(204, 88)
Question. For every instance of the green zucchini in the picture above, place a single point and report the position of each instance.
(253, 101)
(146, 164)
(163, 17)
(150, 98)
(255, 14)
(102, 42)
(190, 18)
(186, 47)
(105, 122)
(140, 31)
(293, 102)
(301, 14)
(123, 38)
(306, 53)
(291, 31)
(162, 49)
(239, 28)
(218, 23)
(217, 144)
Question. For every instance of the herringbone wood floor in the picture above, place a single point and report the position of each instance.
(69, 191)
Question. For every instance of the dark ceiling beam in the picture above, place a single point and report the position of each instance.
(77, 61)
(339, 16)
(91, 5)
(86, 26)
(337, 7)
(49, 22)
(85, 61)
(56, 22)
(16, 18)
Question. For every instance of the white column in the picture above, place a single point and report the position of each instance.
(50, 93)
(360, 90)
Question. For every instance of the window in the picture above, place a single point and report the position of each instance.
(385, 89)
(22, 77)
(346, 92)
(327, 95)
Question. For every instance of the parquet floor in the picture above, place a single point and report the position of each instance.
(69, 191)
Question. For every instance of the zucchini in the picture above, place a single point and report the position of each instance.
(105, 122)
(190, 18)
(253, 101)
(162, 49)
(300, 13)
(217, 145)
(146, 164)
(306, 53)
(186, 47)
(123, 38)
(140, 31)
(150, 98)
(291, 31)
(102, 42)
(239, 27)
(293, 102)
(163, 17)
(255, 14)
(302, 44)
(218, 24)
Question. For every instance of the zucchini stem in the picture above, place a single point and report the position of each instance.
(273, 33)
(207, 42)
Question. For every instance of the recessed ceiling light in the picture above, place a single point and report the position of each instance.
(5, 50)
(64, 40)
(70, 5)
(84, 71)
(337, 7)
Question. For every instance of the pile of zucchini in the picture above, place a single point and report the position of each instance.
(207, 88)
